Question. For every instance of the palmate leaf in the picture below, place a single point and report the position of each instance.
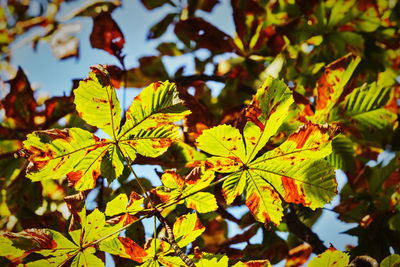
(187, 228)
(57, 249)
(295, 171)
(77, 154)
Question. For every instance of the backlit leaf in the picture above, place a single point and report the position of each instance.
(96, 95)
(149, 128)
(331, 257)
(187, 228)
(73, 152)
(123, 247)
(391, 261)
(331, 86)
(255, 263)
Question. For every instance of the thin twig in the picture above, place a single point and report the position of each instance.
(171, 240)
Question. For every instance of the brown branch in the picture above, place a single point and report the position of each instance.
(187, 80)
(171, 240)
(363, 260)
(302, 231)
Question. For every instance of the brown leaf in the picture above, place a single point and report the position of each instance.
(107, 35)
(19, 104)
(205, 35)
(298, 255)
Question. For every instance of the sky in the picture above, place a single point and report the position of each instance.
(53, 77)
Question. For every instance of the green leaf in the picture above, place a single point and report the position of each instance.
(267, 112)
(187, 228)
(331, 86)
(208, 260)
(120, 204)
(123, 247)
(149, 128)
(73, 152)
(294, 172)
(363, 111)
(391, 261)
(86, 258)
(176, 187)
(96, 95)
(15, 246)
(342, 156)
(331, 257)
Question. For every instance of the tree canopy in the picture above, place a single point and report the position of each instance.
(308, 88)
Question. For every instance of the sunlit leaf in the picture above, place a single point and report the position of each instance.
(96, 95)
(123, 247)
(187, 228)
(73, 152)
(331, 257)
(254, 263)
(391, 261)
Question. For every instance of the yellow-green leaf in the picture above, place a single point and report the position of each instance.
(97, 103)
(187, 228)
(330, 258)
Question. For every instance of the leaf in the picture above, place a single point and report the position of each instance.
(331, 257)
(331, 86)
(120, 205)
(253, 263)
(363, 109)
(391, 261)
(175, 187)
(96, 95)
(294, 172)
(160, 27)
(149, 128)
(151, 4)
(208, 259)
(15, 246)
(87, 259)
(106, 35)
(73, 152)
(298, 255)
(342, 156)
(187, 228)
(123, 247)
(19, 104)
(266, 114)
(205, 35)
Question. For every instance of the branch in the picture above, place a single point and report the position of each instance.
(171, 240)
(187, 80)
(363, 260)
(302, 231)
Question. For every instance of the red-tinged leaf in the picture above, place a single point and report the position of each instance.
(19, 104)
(16, 246)
(107, 35)
(331, 87)
(205, 5)
(254, 263)
(187, 228)
(247, 16)
(298, 255)
(205, 35)
(124, 247)
(73, 152)
(331, 257)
